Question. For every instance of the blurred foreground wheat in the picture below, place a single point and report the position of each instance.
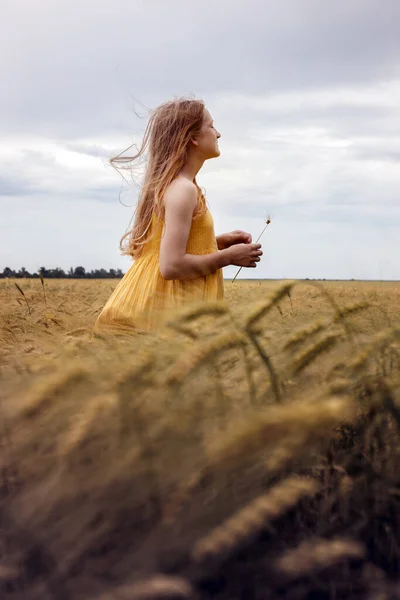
(251, 451)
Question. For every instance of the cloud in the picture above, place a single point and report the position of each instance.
(15, 187)
(306, 95)
(79, 66)
(50, 168)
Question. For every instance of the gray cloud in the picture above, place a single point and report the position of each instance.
(91, 150)
(378, 155)
(10, 186)
(87, 61)
(306, 95)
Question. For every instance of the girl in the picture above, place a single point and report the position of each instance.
(177, 257)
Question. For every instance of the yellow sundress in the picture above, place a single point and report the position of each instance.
(143, 298)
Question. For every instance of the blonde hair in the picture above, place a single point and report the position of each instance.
(167, 138)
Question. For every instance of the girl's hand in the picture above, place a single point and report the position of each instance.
(226, 240)
(245, 255)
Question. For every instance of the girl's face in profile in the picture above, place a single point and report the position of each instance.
(207, 140)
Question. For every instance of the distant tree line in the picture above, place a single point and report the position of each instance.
(72, 273)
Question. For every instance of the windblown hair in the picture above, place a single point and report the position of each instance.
(165, 144)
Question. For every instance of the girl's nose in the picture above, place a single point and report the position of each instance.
(218, 134)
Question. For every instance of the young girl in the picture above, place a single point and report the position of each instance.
(177, 258)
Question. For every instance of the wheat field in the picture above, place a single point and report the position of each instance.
(250, 451)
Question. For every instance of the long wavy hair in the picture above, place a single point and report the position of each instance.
(164, 146)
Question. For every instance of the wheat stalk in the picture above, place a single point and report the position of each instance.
(44, 289)
(267, 222)
(302, 360)
(273, 376)
(21, 291)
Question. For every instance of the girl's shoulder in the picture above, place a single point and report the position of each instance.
(180, 191)
(182, 184)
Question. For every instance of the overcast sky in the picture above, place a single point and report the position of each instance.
(306, 95)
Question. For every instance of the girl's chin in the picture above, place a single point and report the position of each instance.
(215, 153)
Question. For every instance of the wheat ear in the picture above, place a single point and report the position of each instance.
(380, 340)
(351, 309)
(203, 353)
(159, 587)
(315, 555)
(52, 387)
(199, 310)
(261, 309)
(248, 522)
(302, 360)
(304, 333)
(21, 291)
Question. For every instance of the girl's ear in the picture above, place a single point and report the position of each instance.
(194, 141)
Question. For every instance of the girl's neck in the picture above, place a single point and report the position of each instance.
(191, 167)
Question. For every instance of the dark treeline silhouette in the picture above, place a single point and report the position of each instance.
(73, 273)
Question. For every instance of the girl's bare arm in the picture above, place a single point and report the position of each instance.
(179, 202)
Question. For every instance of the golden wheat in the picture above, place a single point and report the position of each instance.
(303, 333)
(276, 435)
(243, 526)
(49, 390)
(84, 423)
(302, 360)
(202, 353)
(351, 309)
(380, 340)
(317, 554)
(261, 309)
(100, 445)
(159, 587)
(199, 310)
(21, 291)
